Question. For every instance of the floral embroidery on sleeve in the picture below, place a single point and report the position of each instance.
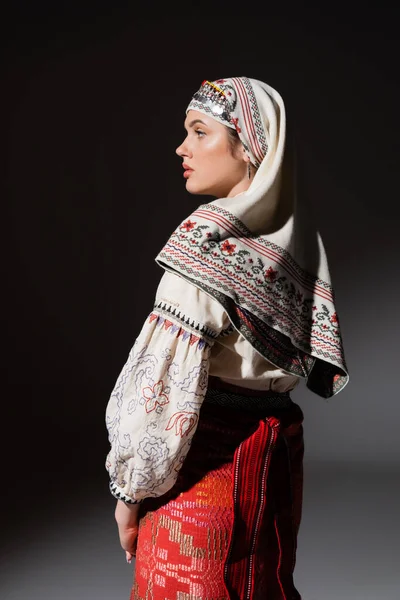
(154, 407)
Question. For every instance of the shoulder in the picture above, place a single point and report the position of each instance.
(181, 295)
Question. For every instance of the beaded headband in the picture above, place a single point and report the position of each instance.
(233, 102)
(214, 100)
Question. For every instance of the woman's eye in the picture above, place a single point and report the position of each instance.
(199, 132)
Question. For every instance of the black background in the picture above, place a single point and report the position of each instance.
(93, 108)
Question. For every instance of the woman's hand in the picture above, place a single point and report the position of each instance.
(127, 519)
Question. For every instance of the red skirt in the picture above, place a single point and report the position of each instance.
(228, 528)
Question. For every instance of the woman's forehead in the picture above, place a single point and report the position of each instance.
(196, 116)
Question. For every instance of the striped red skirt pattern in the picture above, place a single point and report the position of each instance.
(228, 528)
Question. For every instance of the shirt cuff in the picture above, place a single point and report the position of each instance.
(120, 495)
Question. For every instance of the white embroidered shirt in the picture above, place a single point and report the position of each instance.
(154, 408)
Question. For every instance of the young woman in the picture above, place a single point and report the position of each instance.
(206, 442)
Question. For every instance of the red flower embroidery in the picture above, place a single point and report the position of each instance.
(183, 422)
(299, 297)
(188, 225)
(271, 274)
(235, 122)
(314, 308)
(228, 247)
(155, 396)
(334, 318)
(209, 234)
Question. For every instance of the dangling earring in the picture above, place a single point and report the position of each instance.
(248, 170)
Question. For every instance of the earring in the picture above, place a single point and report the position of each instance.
(248, 170)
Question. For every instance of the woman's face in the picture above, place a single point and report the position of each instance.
(210, 166)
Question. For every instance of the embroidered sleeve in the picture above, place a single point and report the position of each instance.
(154, 408)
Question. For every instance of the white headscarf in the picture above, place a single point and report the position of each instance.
(259, 253)
(233, 102)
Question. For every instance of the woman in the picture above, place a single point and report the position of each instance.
(206, 443)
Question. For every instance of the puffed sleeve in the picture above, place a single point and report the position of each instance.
(154, 408)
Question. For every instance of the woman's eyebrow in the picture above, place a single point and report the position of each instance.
(196, 121)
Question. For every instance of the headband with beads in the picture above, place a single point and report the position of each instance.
(214, 101)
(233, 103)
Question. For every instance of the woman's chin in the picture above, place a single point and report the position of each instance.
(192, 188)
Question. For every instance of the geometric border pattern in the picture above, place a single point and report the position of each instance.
(287, 314)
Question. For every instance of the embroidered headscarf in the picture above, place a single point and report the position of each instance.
(259, 254)
(233, 103)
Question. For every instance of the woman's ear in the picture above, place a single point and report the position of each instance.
(245, 156)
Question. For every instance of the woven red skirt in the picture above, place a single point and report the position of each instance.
(228, 528)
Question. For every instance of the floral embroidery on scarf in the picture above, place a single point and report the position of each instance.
(286, 313)
(263, 284)
(188, 225)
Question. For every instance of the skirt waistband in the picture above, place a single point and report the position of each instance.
(230, 396)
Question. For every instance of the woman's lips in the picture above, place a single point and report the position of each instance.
(187, 170)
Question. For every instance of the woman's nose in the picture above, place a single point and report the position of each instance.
(183, 150)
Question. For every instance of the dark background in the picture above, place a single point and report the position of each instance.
(93, 104)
